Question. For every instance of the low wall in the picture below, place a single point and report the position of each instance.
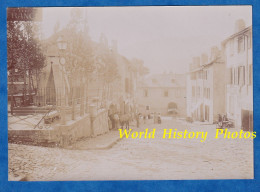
(63, 135)
(46, 138)
(100, 123)
(74, 130)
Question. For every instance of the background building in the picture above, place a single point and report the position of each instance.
(163, 93)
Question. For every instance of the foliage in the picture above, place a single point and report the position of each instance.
(23, 47)
(83, 54)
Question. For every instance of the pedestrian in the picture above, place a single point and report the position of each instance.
(144, 117)
(137, 119)
(116, 118)
(155, 118)
(159, 119)
(111, 118)
(220, 121)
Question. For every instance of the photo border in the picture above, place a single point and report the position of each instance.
(150, 185)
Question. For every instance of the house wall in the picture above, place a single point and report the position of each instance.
(63, 135)
(157, 102)
(206, 91)
(239, 96)
(219, 91)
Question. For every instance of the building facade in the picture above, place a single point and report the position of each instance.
(206, 87)
(163, 93)
(238, 57)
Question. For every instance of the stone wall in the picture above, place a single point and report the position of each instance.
(74, 130)
(46, 138)
(63, 135)
(100, 123)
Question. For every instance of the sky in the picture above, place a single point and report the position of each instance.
(165, 38)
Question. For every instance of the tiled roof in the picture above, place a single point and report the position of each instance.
(164, 81)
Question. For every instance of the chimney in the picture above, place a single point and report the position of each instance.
(239, 25)
(204, 58)
(214, 53)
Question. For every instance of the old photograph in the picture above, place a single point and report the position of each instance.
(130, 93)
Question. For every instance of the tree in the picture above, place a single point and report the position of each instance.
(24, 52)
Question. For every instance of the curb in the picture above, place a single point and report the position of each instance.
(105, 147)
(109, 146)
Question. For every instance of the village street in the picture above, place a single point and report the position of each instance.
(141, 159)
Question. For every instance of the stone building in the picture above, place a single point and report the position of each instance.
(206, 87)
(239, 89)
(163, 93)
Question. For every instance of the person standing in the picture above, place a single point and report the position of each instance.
(159, 119)
(116, 118)
(137, 116)
(155, 118)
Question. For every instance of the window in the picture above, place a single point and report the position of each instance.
(240, 44)
(250, 74)
(193, 91)
(236, 76)
(241, 74)
(249, 41)
(198, 91)
(231, 46)
(166, 93)
(206, 112)
(146, 93)
(173, 80)
(147, 107)
(205, 75)
(230, 77)
(154, 80)
(207, 93)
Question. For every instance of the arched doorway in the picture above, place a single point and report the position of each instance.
(172, 108)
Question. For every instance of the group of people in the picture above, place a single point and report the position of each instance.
(119, 120)
(224, 122)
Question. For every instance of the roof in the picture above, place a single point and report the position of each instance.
(237, 34)
(164, 81)
(215, 61)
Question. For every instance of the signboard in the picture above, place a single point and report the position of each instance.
(24, 14)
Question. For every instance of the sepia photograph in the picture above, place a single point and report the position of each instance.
(130, 93)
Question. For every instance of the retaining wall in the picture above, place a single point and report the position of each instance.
(63, 135)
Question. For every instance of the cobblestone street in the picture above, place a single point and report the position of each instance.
(140, 159)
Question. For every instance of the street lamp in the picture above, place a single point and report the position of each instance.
(62, 45)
